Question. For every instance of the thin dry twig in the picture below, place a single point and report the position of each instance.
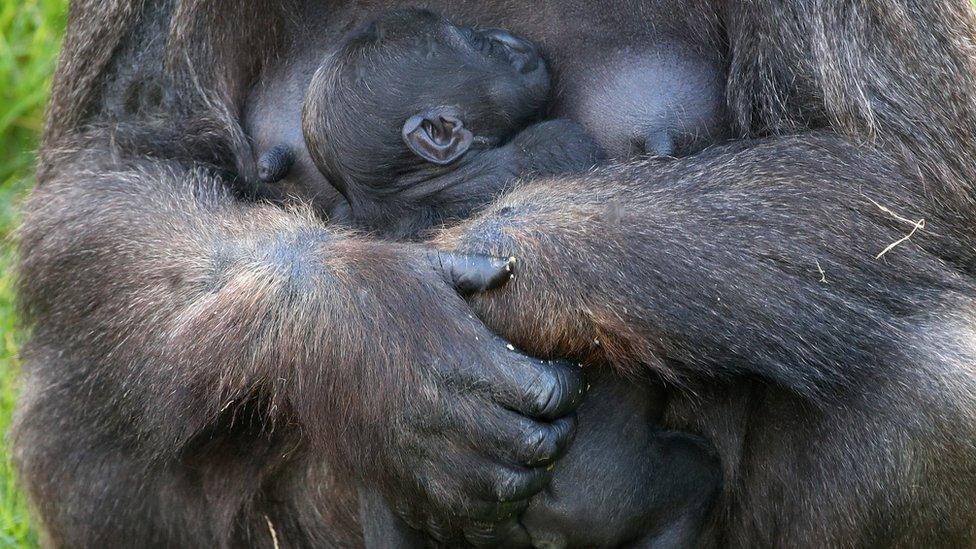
(916, 226)
(920, 224)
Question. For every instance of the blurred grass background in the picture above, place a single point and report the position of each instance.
(30, 34)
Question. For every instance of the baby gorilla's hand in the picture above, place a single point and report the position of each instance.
(555, 147)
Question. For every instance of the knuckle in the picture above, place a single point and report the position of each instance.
(548, 393)
(565, 433)
(507, 486)
(443, 264)
(539, 444)
(516, 485)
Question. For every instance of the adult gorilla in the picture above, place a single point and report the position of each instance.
(204, 371)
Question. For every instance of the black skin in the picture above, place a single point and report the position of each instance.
(196, 375)
(620, 484)
(432, 173)
(275, 163)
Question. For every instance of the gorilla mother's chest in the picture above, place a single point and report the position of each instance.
(613, 62)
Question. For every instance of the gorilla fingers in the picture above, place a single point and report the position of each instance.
(459, 147)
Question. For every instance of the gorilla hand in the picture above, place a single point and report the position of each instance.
(574, 294)
(555, 147)
(478, 424)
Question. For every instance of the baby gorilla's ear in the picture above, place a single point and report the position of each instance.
(437, 135)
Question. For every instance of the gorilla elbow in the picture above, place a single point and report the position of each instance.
(290, 263)
(294, 260)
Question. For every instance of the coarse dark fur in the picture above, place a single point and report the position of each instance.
(193, 377)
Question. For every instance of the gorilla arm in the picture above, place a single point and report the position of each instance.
(745, 234)
(735, 257)
(160, 303)
(823, 282)
(768, 260)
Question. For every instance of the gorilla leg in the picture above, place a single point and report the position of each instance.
(625, 481)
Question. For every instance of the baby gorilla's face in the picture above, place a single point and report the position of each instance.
(410, 90)
(498, 85)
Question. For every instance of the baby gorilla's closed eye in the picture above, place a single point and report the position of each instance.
(520, 53)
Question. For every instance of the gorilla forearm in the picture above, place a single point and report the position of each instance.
(188, 311)
(152, 271)
(733, 261)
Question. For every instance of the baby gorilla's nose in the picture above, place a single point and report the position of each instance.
(522, 53)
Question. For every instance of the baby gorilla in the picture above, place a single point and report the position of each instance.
(418, 122)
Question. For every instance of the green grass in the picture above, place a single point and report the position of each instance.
(30, 33)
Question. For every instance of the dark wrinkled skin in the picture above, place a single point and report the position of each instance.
(197, 373)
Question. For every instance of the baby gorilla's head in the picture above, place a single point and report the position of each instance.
(409, 94)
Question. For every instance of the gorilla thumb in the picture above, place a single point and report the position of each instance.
(470, 273)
